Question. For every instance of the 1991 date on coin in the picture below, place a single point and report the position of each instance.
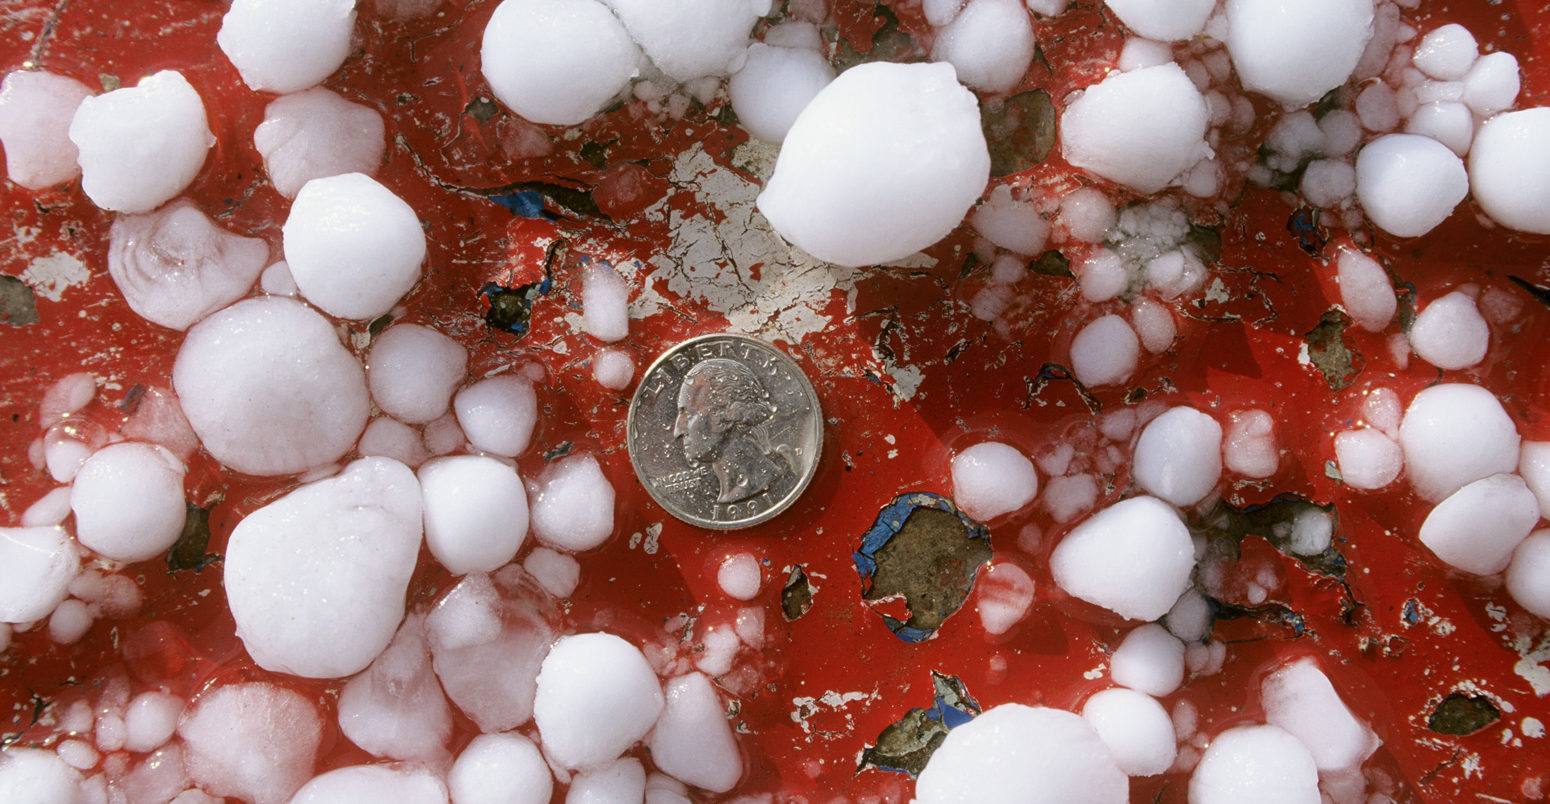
(725, 431)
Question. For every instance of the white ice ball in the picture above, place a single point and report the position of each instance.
(1149, 659)
(315, 134)
(605, 297)
(1263, 764)
(886, 160)
(254, 741)
(141, 145)
(1446, 53)
(597, 696)
(1528, 577)
(573, 504)
(1105, 352)
(774, 85)
(1366, 290)
(1450, 333)
(1367, 459)
(175, 266)
(475, 512)
(692, 740)
(1141, 128)
(1171, 22)
(386, 784)
(412, 371)
(689, 39)
(990, 44)
(1477, 527)
(500, 769)
(1299, 698)
(286, 45)
(498, 413)
(37, 775)
(1015, 753)
(1453, 434)
(128, 501)
(36, 567)
(35, 112)
(1509, 169)
(1407, 183)
(1179, 456)
(556, 64)
(991, 479)
(1296, 52)
(613, 369)
(1492, 84)
(1135, 727)
(354, 248)
(1133, 558)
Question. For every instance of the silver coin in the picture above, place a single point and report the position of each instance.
(724, 431)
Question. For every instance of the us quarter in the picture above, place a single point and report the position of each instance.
(724, 431)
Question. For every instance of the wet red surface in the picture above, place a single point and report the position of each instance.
(1238, 348)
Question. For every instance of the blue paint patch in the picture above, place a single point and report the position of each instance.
(523, 204)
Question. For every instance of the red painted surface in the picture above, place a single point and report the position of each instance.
(1237, 353)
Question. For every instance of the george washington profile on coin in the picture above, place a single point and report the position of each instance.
(722, 408)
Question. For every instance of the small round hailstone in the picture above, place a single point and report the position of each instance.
(1179, 456)
(254, 741)
(1105, 352)
(497, 414)
(1009, 223)
(50, 509)
(1509, 169)
(739, 576)
(69, 622)
(316, 134)
(1135, 727)
(1149, 659)
(1453, 434)
(1378, 107)
(35, 112)
(1190, 619)
(692, 739)
(1367, 459)
(1450, 333)
(128, 501)
(1141, 129)
(1446, 53)
(1327, 182)
(1087, 214)
(1133, 558)
(556, 572)
(412, 371)
(37, 775)
(991, 479)
(553, 64)
(500, 769)
(1174, 22)
(475, 512)
(1102, 275)
(597, 696)
(352, 245)
(989, 43)
(1528, 576)
(774, 85)
(1477, 527)
(174, 266)
(689, 39)
(1249, 448)
(1263, 764)
(1448, 122)
(605, 300)
(1139, 53)
(1299, 698)
(941, 12)
(886, 160)
(269, 389)
(1407, 183)
(285, 46)
(400, 784)
(1365, 290)
(142, 145)
(1492, 84)
(1013, 752)
(1296, 52)
(150, 720)
(573, 504)
(391, 438)
(613, 369)
(36, 567)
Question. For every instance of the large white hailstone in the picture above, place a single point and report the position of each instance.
(1407, 183)
(1456, 433)
(316, 579)
(1023, 754)
(1446, 53)
(597, 696)
(1263, 764)
(497, 414)
(254, 741)
(1179, 456)
(141, 145)
(1534, 468)
(500, 769)
(412, 371)
(353, 247)
(1299, 698)
(175, 266)
(396, 709)
(1173, 22)
(269, 389)
(1135, 727)
(1133, 558)
(315, 134)
(388, 784)
(475, 512)
(692, 740)
(1296, 52)
(1492, 84)
(573, 504)
(285, 46)
(1509, 169)
(1141, 129)
(36, 567)
(1149, 659)
(1477, 527)
(487, 641)
(1528, 577)
(689, 39)
(556, 64)
(991, 479)
(883, 162)
(1105, 352)
(1365, 290)
(1450, 333)
(605, 298)
(620, 780)
(35, 112)
(990, 44)
(128, 501)
(1367, 459)
(774, 85)
(37, 775)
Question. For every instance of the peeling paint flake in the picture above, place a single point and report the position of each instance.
(51, 276)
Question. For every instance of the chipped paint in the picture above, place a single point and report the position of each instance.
(51, 276)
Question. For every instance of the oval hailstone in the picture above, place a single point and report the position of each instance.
(36, 567)
(269, 389)
(1453, 434)
(689, 39)
(128, 501)
(1023, 754)
(597, 696)
(405, 784)
(1133, 558)
(884, 161)
(316, 579)
(1509, 169)
(1262, 764)
(556, 64)
(353, 247)
(1407, 183)
(35, 112)
(1295, 52)
(286, 45)
(1140, 128)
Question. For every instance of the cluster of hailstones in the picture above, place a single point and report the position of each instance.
(264, 385)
